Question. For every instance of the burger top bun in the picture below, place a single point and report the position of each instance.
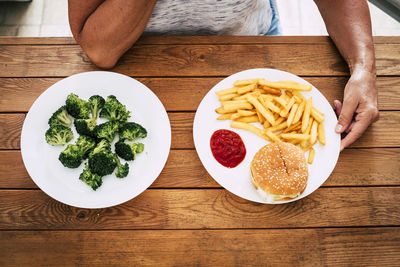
(279, 171)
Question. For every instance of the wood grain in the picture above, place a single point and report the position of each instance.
(193, 40)
(199, 208)
(10, 130)
(184, 94)
(356, 167)
(294, 247)
(379, 134)
(191, 60)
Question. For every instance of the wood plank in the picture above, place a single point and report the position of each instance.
(193, 40)
(356, 167)
(379, 134)
(182, 94)
(294, 247)
(191, 60)
(199, 208)
(10, 130)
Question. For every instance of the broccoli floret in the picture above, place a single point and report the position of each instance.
(91, 179)
(77, 107)
(96, 103)
(128, 151)
(58, 135)
(85, 126)
(71, 157)
(102, 146)
(122, 170)
(101, 159)
(113, 110)
(106, 130)
(60, 117)
(132, 131)
(85, 144)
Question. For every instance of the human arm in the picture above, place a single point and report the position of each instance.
(348, 23)
(106, 29)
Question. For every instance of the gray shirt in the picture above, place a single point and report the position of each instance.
(210, 17)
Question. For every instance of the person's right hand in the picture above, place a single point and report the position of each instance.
(360, 106)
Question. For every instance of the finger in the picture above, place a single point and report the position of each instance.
(350, 127)
(338, 107)
(356, 131)
(346, 114)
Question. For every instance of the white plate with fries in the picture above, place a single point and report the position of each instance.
(290, 110)
(63, 184)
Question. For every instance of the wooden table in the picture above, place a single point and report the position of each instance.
(186, 218)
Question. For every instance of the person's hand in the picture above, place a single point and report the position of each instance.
(360, 106)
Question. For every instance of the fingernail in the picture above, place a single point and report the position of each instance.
(338, 128)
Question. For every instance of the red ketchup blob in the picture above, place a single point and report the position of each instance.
(227, 148)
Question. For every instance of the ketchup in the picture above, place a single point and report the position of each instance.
(227, 148)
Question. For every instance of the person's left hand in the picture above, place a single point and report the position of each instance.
(360, 106)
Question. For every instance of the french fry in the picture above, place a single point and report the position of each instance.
(244, 97)
(276, 128)
(311, 155)
(321, 134)
(231, 106)
(299, 112)
(235, 116)
(226, 116)
(291, 114)
(266, 124)
(306, 115)
(260, 117)
(285, 85)
(272, 136)
(249, 127)
(281, 101)
(272, 91)
(271, 106)
(226, 91)
(286, 109)
(248, 119)
(246, 89)
(245, 82)
(221, 110)
(314, 132)
(316, 115)
(279, 121)
(227, 97)
(245, 113)
(259, 107)
(300, 137)
(293, 127)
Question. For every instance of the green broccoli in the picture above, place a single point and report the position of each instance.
(77, 107)
(71, 157)
(128, 151)
(96, 103)
(106, 130)
(113, 110)
(91, 179)
(60, 117)
(58, 135)
(101, 159)
(132, 131)
(86, 126)
(85, 144)
(122, 170)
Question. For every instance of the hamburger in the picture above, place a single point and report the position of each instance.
(279, 171)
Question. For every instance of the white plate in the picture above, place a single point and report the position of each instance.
(237, 180)
(63, 184)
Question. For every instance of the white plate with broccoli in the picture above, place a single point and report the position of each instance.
(95, 139)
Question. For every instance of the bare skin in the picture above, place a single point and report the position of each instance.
(106, 29)
(349, 25)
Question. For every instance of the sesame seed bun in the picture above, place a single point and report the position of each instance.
(279, 171)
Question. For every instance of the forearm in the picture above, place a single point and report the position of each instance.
(107, 29)
(349, 25)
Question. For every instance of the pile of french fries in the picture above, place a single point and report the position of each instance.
(283, 112)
